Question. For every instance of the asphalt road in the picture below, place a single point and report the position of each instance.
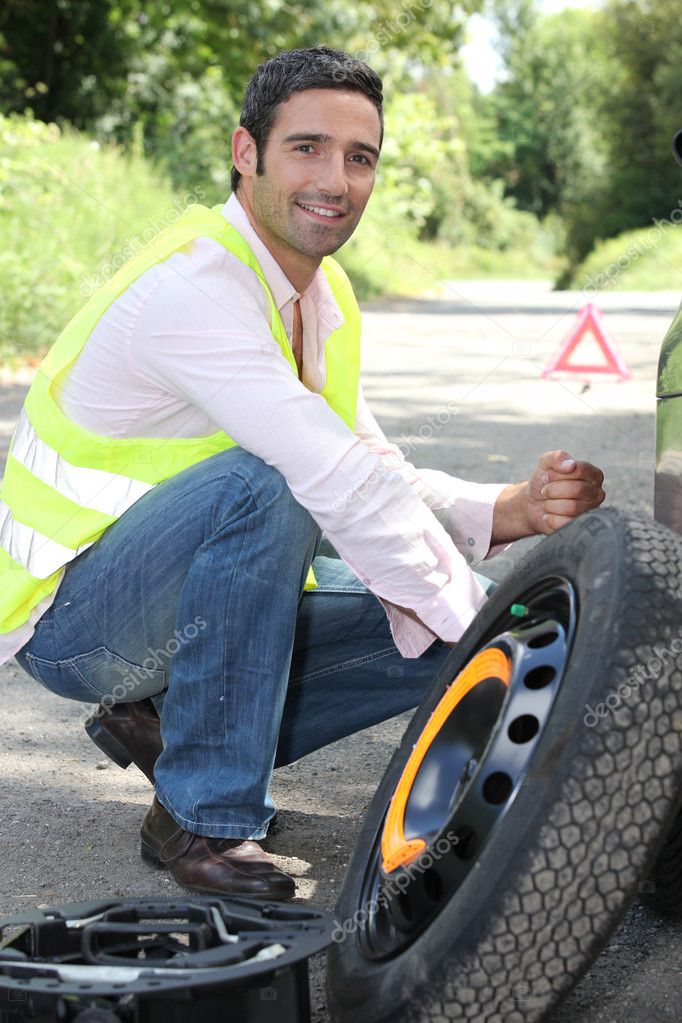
(457, 382)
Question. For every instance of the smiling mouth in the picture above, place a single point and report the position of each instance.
(321, 212)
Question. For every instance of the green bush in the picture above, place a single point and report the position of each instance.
(183, 122)
(647, 259)
(385, 258)
(71, 212)
(481, 216)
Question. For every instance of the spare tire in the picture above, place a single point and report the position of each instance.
(531, 792)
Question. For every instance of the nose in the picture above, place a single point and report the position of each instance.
(332, 179)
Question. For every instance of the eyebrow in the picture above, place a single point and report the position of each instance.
(320, 137)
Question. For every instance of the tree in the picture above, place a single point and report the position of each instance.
(64, 59)
(586, 112)
(640, 112)
(166, 76)
(545, 107)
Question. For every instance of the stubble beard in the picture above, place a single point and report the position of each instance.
(280, 217)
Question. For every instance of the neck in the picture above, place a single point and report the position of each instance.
(299, 268)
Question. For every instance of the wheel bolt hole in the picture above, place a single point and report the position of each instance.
(464, 843)
(497, 788)
(405, 906)
(523, 728)
(544, 639)
(433, 885)
(540, 677)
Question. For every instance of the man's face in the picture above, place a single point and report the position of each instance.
(321, 155)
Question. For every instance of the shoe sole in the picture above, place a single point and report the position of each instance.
(150, 856)
(108, 744)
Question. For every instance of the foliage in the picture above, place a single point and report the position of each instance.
(422, 155)
(554, 156)
(65, 234)
(157, 85)
(61, 233)
(481, 215)
(586, 113)
(571, 147)
(646, 259)
(640, 111)
(128, 54)
(64, 58)
(428, 219)
(382, 258)
(165, 77)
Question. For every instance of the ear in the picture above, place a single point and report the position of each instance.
(244, 153)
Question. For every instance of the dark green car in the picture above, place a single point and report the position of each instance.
(668, 488)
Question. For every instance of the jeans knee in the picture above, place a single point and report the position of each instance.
(269, 490)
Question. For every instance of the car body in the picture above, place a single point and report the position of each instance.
(668, 483)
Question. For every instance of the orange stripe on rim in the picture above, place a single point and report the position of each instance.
(396, 849)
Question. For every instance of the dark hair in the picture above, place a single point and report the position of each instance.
(292, 71)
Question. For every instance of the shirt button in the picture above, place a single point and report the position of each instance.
(471, 541)
(469, 559)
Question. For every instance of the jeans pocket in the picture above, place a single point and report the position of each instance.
(47, 673)
(98, 672)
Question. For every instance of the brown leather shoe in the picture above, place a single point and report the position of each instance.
(226, 866)
(129, 733)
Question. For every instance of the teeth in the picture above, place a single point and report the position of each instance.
(318, 209)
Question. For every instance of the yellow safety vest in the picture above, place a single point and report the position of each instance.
(64, 486)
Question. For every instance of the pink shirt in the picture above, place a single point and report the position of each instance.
(187, 349)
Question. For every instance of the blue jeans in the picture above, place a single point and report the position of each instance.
(195, 597)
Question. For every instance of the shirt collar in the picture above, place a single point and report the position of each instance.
(281, 287)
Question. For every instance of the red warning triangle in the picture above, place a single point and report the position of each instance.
(589, 319)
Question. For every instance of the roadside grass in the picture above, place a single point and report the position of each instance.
(647, 259)
(67, 209)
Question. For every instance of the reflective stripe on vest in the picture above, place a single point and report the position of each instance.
(64, 486)
(39, 555)
(45, 478)
(105, 492)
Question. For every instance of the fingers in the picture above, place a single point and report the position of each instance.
(553, 522)
(583, 471)
(560, 461)
(570, 509)
(580, 491)
(560, 465)
(565, 499)
(565, 488)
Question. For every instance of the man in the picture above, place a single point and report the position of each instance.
(191, 433)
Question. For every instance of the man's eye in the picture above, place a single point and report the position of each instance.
(359, 156)
(305, 145)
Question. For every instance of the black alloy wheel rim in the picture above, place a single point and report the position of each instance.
(487, 744)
